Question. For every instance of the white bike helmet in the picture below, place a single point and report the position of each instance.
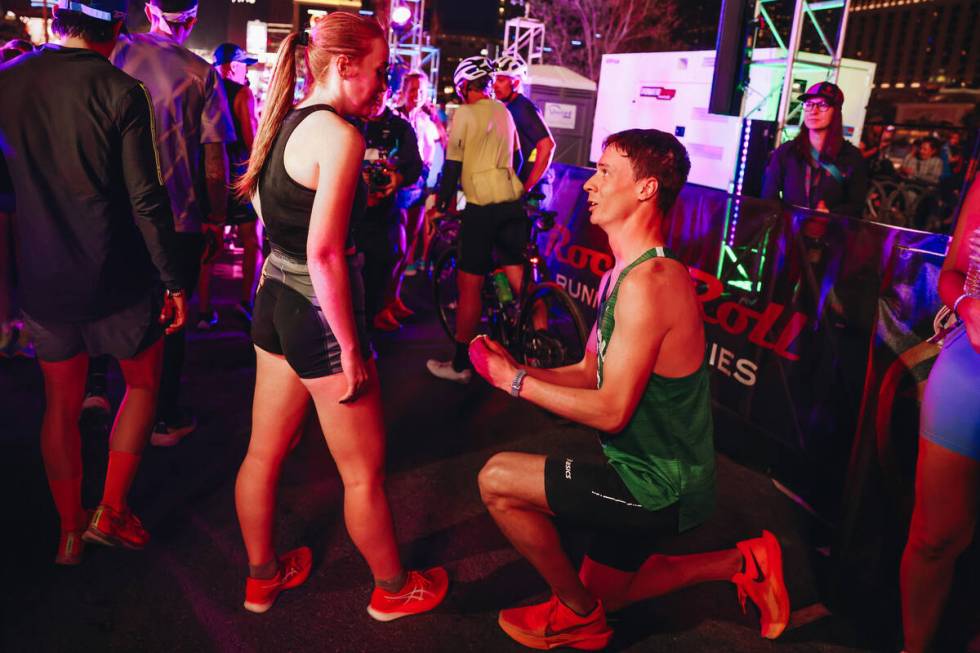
(472, 68)
(510, 65)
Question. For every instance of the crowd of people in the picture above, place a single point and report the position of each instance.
(160, 151)
(920, 178)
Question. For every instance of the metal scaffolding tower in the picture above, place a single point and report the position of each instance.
(409, 45)
(789, 46)
(524, 37)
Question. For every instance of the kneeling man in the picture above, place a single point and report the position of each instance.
(644, 385)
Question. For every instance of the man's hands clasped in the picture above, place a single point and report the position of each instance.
(493, 362)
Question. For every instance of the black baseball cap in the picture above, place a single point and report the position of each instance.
(831, 93)
(229, 52)
(107, 10)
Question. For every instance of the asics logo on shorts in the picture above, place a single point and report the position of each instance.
(568, 468)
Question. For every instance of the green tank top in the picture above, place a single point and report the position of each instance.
(666, 453)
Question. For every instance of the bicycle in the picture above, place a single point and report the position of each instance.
(541, 328)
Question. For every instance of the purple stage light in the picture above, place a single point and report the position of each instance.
(401, 16)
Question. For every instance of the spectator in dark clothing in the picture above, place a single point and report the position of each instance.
(391, 162)
(15, 48)
(923, 164)
(193, 126)
(818, 169)
(537, 143)
(78, 142)
(231, 62)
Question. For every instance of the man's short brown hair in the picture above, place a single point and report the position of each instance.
(653, 153)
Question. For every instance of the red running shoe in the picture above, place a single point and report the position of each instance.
(71, 545)
(400, 310)
(116, 529)
(294, 569)
(762, 581)
(422, 591)
(70, 548)
(552, 624)
(385, 321)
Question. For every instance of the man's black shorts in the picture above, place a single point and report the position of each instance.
(501, 227)
(122, 335)
(588, 492)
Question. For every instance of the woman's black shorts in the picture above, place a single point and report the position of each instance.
(588, 492)
(286, 322)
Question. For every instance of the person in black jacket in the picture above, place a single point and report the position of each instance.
(93, 237)
(818, 169)
(391, 162)
(231, 62)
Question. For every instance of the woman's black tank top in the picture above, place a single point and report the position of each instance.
(286, 204)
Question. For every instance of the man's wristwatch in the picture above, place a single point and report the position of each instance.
(176, 292)
(517, 383)
(956, 304)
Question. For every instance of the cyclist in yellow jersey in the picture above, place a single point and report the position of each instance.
(643, 384)
(483, 156)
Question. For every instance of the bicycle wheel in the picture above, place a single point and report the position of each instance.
(551, 332)
(446, 292)
(445, 235)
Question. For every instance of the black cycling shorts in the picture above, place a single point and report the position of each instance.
(503, 228)
(286, 323)
(122, 335)
(588, 492)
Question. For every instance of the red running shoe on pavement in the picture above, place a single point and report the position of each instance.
(70, 548)
(116, 529)
(762, 581)
(400, 310)
(294, 569)
(552, 624)
(386, 321)
(422, 591)
(71, 545)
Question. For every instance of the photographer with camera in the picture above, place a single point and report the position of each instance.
(391, 162)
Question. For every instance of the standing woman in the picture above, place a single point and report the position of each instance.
(947, 474)
(818, 169)
(304, 177)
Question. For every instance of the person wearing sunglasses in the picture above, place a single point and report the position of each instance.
(818, 169)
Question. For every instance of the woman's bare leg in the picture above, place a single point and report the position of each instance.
(278, 410)
(356, 438)
(943, 522)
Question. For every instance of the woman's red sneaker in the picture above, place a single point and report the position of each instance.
(294, 569)
(422, 591)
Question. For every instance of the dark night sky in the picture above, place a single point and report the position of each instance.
(469, 16)
(699, 18)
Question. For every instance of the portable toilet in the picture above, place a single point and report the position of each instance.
(567, 103)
